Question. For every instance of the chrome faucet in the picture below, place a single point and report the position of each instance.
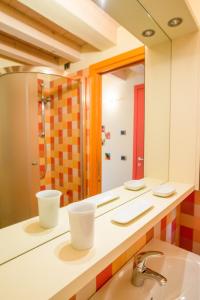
(141, 272)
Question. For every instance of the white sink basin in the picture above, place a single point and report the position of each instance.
(181, 268)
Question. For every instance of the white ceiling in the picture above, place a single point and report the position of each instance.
(129, 72)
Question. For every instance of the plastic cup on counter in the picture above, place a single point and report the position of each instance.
(48, 207)
(81, 221)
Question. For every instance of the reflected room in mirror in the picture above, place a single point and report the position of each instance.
(72, 113)
(40, 142)
(123, 116)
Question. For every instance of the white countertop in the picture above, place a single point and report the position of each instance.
(27, 235)
(57, 271)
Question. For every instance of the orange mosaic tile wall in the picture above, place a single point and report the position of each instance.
(62, 135)
(166, 230)
(190, 223)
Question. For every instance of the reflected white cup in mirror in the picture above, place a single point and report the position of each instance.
(81, 221)
(48, 207)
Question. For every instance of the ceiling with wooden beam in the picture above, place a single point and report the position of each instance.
(54, 28)
(81, 18)
(50, 33)
(55, 32)
(24, 53)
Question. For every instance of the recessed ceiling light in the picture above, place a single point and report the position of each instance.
(175, 22)
(148, 32)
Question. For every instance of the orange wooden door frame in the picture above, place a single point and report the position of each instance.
(95, 77)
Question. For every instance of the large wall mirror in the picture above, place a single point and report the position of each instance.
(49, 139)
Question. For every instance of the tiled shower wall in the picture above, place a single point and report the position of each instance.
(166, 230)
(83, 77)
(62, 147)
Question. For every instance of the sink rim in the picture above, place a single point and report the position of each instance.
(172, 252)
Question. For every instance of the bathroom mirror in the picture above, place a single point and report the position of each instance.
(45, 125)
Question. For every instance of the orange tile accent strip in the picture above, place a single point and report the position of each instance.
(103, 277)
(190, 223)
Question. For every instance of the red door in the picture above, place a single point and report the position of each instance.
(138, 132)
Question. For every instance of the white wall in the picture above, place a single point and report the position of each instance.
(185, 105)
(194, 6)
(185, 111)
(157, 110)
(117, 115)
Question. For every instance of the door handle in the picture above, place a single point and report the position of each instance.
(140, 158)
(34, 163)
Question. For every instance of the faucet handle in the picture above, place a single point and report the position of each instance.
(141, 258)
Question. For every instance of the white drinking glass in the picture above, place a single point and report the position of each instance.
(48, 206)
(81, 221)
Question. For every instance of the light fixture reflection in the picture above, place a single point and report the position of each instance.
(174, 22)
(148, 32)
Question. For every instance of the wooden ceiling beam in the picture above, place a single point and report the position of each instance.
(83, 19)
(18, 29)
(24, 54)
